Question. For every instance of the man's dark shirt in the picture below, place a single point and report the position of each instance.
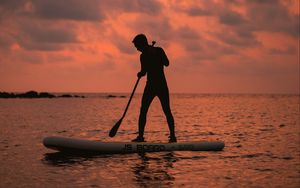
(153, 61)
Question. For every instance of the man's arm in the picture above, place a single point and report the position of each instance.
(164, 57)
(143, 68)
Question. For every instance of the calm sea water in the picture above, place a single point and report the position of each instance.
(261, 135)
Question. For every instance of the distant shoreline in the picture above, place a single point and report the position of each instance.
(35, 94)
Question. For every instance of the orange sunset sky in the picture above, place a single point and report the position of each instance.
(214, 46)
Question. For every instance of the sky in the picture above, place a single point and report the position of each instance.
(215, 46)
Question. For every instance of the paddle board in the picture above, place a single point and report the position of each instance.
(80, 145)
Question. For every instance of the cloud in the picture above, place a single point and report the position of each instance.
(287, 51)
(11, 6)
(189, 38)
(49, 34)
(5, 41)
(267, 16)
(272, 16)
(231, 18)
(149, 7)
(69, 10)
(156, 28)
(187, 32)
(238, 38)
(90, 10)
(45, 36)
(122, 43)
(46, 23)
(198, 11)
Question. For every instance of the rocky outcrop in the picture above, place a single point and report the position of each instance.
(34, 94)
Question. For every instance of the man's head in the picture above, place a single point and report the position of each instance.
(140, 42)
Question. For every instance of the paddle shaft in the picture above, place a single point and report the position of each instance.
(131, 97)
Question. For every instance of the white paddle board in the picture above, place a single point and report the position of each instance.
(80, 145)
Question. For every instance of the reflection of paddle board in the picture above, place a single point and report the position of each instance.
(80, 145)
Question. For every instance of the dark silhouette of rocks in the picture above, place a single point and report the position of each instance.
(46, 95)
(34, 94)
(65, 96)
(77, 96)
(29, 94)
(7, 95)
(111, 96)
(114, 96)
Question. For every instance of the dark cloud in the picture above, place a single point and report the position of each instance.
(209, 8)
(10, 8)
(5, 41)
(12, 5)
(187, 33)
(45, 36)
(122, 43)
(31, 35)
(48, 34)
(155, 28)
(192, 46)
(288, 51)
(30, 45)
(272, 16)
(69, 10)
(239, 32)
(200, 48)
(194, 8)
(198, 11)
(189, 39)
(211, 50)
(264, 2)
(125, 47)
(149, 7)
(269, 15)
(231, 18)
(31, 58)
(239, 37)
(90, 10)
(58, 58)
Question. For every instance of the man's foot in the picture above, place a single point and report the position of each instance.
(172, 139)
(138, 139)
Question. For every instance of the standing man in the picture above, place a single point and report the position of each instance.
(153, 59)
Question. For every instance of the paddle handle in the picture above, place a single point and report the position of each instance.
(131, 96)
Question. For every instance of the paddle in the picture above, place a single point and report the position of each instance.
(115, 128)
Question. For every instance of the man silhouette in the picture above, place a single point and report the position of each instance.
(153, 59)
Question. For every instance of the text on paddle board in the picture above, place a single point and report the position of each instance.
(144, 147)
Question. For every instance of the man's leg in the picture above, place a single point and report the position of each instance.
(165, 103)
(148, 97)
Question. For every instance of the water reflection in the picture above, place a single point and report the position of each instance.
(154, 171)
(148, 169)
(68, 159)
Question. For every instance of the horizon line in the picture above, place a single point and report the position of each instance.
(199, 93)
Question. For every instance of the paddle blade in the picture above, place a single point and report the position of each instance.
(115, 128)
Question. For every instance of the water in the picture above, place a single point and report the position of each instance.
(261, 133)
